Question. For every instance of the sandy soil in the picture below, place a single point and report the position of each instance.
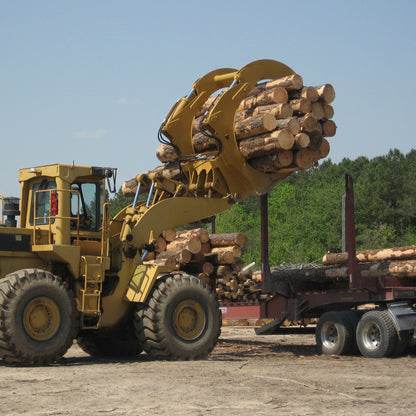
(245, 375)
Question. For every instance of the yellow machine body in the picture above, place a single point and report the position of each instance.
(102, 260)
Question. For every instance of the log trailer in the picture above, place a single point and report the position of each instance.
(70, 271)
(384, 328)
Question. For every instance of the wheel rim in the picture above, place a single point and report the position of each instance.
(329, 334)
(41, 318)
(189, 320)
(371, 336)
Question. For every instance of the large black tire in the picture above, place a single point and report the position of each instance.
(181, 319)
(376, 335)
(38, 317)
(335, 332)
(120, 342)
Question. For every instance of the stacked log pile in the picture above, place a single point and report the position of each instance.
(214, 258)
(399, 262)
(280, 125)
(395, 261)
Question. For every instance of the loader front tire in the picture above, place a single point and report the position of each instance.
(181, 319)
(38, 317)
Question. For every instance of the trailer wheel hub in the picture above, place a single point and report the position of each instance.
(41, 318)
(329, 334)
(189, 320)
(371, 336)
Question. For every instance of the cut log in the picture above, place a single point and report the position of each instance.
(228, 239)
(192, 244)
(266, 144)
(224, 271)
(308, 123)
(329, 128)
(328, 110)
(203, 143)
(169, 235)
(290, 82)
(166, 153)
(310, 93)
(291, 123)
(129, 188)
(270, 96)
(255, 125)
(303, 158)
(326, 93)
(234, 250)
(200, 233)
(161, 262)
(160, 244)
(386, 254)
(180, 256)
(272, 163)
(205, 248)
(317, 110)
(195, 268)
(302, 140)
(220, 257)
(283, 110)
(301, 105)
(324, 149)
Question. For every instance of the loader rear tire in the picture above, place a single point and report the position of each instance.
(38, 317)
(120, 342)
(181, 319)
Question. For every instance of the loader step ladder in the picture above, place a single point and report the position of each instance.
(92, 273)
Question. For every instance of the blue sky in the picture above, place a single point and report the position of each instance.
(91, 81)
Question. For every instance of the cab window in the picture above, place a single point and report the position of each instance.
(88, 200)
(43, 209)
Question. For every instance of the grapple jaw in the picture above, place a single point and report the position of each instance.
(223, 172)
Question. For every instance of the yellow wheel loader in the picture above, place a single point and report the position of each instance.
(70, 271)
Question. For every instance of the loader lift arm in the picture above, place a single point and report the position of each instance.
(214, 182)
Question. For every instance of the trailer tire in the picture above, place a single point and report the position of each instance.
(376, 335)
(38, 317)
(335, 332)
(181, 319)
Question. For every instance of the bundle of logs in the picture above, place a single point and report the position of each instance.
(214, 258)
(397, 262)
(281, 124)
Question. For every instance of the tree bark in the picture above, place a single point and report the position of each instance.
(200, 233)
(274, 95)
(301, 105)
(192, 244)
(166, 153)
(255, 125)
(283, 110)
(272, 163)
(310, 93)
(291, 123)
(180, 256)
(385, 254)
(265, 144)
(228, 239)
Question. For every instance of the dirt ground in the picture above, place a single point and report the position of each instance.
(245, 375)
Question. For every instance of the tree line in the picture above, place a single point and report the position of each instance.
(305, 210)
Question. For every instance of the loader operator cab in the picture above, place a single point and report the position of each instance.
(64, 204)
